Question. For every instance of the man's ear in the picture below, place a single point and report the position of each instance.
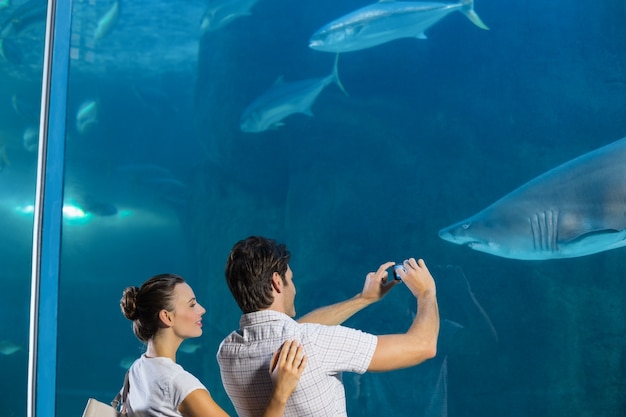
(165, 317)
(277, 282)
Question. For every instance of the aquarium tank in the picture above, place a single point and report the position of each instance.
(141, 137)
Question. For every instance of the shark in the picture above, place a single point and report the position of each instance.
(573, 210)
(386, 21)
(284, 99)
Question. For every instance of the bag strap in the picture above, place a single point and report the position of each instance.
(122, 395)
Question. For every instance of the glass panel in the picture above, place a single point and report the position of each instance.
(167, 168)
(22, 32)
(128, 203)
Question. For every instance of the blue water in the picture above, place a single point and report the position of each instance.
(431, 131)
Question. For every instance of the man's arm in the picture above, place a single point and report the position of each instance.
(376, 286)
(419, 343)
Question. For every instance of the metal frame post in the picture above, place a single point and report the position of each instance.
(48, 214)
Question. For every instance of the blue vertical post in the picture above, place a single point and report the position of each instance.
(48, 215)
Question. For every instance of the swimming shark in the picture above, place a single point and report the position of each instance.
(386, 21)
(284, 99)
(575, 209)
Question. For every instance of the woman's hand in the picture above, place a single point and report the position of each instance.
(286, 367)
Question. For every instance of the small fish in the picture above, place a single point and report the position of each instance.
(87, 115)
(222, 12)
(108, 21)
(284, 99)
(27, 14)
(189, 347)
(8, 348)
(30, 138)
(385, 21)
(90, 204)
(126, 362)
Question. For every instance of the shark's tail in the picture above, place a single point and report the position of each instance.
(468, 10)
(336, 75)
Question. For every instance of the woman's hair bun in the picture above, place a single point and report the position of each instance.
(128, 303)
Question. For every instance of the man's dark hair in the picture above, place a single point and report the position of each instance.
(249, 269)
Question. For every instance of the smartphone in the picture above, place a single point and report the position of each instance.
(395, 269)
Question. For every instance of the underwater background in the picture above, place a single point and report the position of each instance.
(160, 178)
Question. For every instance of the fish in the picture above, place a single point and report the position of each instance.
(126, 362)
(90, 204)
(30, 138)
(189, 347)
(386, 21)
(576, 209)
(284, 99)
(30, 13)
(87, 115)
(8, 348)
(108, 21)
(223, 12)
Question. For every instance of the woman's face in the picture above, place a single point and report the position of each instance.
(187, 312)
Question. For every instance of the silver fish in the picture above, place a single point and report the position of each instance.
(108, 21)
(284, 99)
(127, 361)
(8, 348)
(386, 21)
(189, 347)
(30, 138)
(222, 12)
(575, 209)
(30, 13)
(87, 115)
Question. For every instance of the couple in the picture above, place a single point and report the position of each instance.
(306, 358)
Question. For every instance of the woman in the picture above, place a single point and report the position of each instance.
(164, 312)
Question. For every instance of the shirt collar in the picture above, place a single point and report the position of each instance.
(262, 316)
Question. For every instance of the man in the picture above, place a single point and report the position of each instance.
(261, 281)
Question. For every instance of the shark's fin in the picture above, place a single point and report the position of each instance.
(421, 35)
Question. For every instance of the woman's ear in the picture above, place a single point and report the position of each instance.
(165, 317)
